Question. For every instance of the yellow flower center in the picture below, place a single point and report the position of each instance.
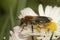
(50, 27)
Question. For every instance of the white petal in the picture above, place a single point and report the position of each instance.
(16, 36)
(40, 9)
(11, 32)
(27, 12)
(56, 14)
(17, 29)
(57, 17)
(56, 34)
(13, 37)
(10, 38)
(48, 11)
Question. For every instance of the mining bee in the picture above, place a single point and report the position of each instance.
(34, 20)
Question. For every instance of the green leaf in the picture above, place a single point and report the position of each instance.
(21, 4)
(3, 29)
(8, 20)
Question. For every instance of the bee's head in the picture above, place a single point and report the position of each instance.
(42, 20)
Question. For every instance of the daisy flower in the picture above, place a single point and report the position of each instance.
(53, 26)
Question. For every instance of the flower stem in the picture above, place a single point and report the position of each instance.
(51, 36)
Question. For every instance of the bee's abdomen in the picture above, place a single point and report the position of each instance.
(42, 20)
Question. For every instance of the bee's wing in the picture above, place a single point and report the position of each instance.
(27, 12)
(40, 9)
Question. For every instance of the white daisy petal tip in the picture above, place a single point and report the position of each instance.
(28, 12)
(40, 9)
(11, 32)
(48, 11)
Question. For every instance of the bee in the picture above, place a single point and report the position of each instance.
(34, 20)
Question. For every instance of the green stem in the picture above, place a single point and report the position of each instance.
(51, 36)
(3, 29)
(11, 16)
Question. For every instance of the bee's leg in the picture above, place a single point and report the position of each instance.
(32, 28)
(32, 32)
(22, 28)
(31, 23)
(32, 37)
(21, 23)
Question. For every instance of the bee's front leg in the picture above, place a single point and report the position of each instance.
(22, 28)
(32, 31)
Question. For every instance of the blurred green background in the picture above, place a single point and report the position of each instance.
(10, 9)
